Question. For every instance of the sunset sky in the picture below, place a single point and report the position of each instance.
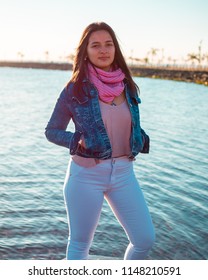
(34, 27)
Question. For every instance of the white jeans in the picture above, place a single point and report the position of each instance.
(84, 192)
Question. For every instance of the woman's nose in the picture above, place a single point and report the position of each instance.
(103, 50)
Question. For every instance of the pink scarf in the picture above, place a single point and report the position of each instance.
(108, 84)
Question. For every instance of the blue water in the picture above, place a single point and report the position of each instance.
(173, 176)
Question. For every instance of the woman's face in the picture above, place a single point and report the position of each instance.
(101, 49)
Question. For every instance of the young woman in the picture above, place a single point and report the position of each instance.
(102, 100)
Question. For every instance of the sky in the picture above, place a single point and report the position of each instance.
(51, 29)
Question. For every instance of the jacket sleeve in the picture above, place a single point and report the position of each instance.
(146, 142)
(55, 130)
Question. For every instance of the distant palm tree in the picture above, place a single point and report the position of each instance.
(192, 57)
(199, 53)
(161, 59)
(146, 60)
(131, 58)
(46, 55)
(172, 60)
(138, 60)
(153, 53)
(205, 57)
(70, 58)
(20, 55)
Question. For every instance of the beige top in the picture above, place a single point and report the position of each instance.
(117, 122)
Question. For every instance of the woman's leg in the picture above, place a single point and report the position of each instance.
(128, 204)
(83, 204)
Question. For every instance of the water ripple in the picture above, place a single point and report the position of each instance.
(173, 176)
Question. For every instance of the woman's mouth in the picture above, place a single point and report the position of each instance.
(103, 58)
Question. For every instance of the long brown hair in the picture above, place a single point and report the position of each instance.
(80, 61)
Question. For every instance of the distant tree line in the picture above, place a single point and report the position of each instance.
(154, 56)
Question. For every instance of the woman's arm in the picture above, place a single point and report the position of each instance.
(55, 131)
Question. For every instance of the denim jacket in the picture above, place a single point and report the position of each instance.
(83, 108)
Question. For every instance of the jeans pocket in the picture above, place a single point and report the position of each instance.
(75, 169)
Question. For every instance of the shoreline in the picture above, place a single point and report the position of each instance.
(199, 76)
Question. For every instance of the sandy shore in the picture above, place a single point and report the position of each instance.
(165, 72)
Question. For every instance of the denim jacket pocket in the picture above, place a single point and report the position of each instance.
(75, 142)
(146, 142)
(136, 99)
